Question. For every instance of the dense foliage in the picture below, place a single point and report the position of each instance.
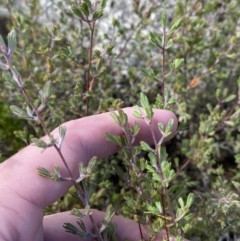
(183, 55)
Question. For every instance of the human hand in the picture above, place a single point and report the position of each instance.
(25, 194)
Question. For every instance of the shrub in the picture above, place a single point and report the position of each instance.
(181, 55)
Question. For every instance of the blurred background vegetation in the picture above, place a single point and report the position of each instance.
(54, 45)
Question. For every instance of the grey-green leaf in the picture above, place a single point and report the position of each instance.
(47, 91)
(21, 113)
(77, 11)
(43, 172)
(98, 14)
(164, 18)
(12, 42)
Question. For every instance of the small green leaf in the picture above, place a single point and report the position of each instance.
(47, 92)
(22, 134)
(179, 238)
(16, 76)
(229, 98)
(120, 119)
(169, 43)
(153, 158)
(185, 228)
(43, 50)
(144, 100)
(151, 209)
(112, 138)
(129, 201)
(231, 56)
(87, 212)
(168, 129)
(123, 117)
(181, 202)
(119, 171)
(110, 48)
(39, 143)
(225, 92)
(159, 207)
(171, 175)
(9, 80)
(88, 2)
(146, 147)
(142, 163)
(109, 213)
(68, 52)
(137, 111)
(43, 144)
(236, 185)
(229, 123)
(218, 93)
(92, 164)
(156, 177)
(176, 25)
(77, 11)
(62, 132)
(98, 14)
(76, 212)
(209, 107)
(155, 40)
(164, 154)
(29, 111)
(57, 38)
(85, 9)
(103, 3)
(115, 22)
(82, 172)
(54, 29)
(136, 129)
(56, 169)
(145, 72)
(164, 19)
(161, 128)
(102, 70)
(99, 64)
(43, 172)
(46, 31)
(177, 63)
(97, 54)
(12, 42)
(70, 228)
(146, 106)
(190, 199)
(148, 72)
(116, 118)
(21, 113)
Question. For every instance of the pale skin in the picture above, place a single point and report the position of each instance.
(25, 194)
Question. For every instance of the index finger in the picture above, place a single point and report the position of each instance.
(84, 139)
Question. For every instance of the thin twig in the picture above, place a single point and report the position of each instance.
(163, 65)
(130, 148)
(90, 54)
(165, 191)
(55, 145)
(39, 118)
